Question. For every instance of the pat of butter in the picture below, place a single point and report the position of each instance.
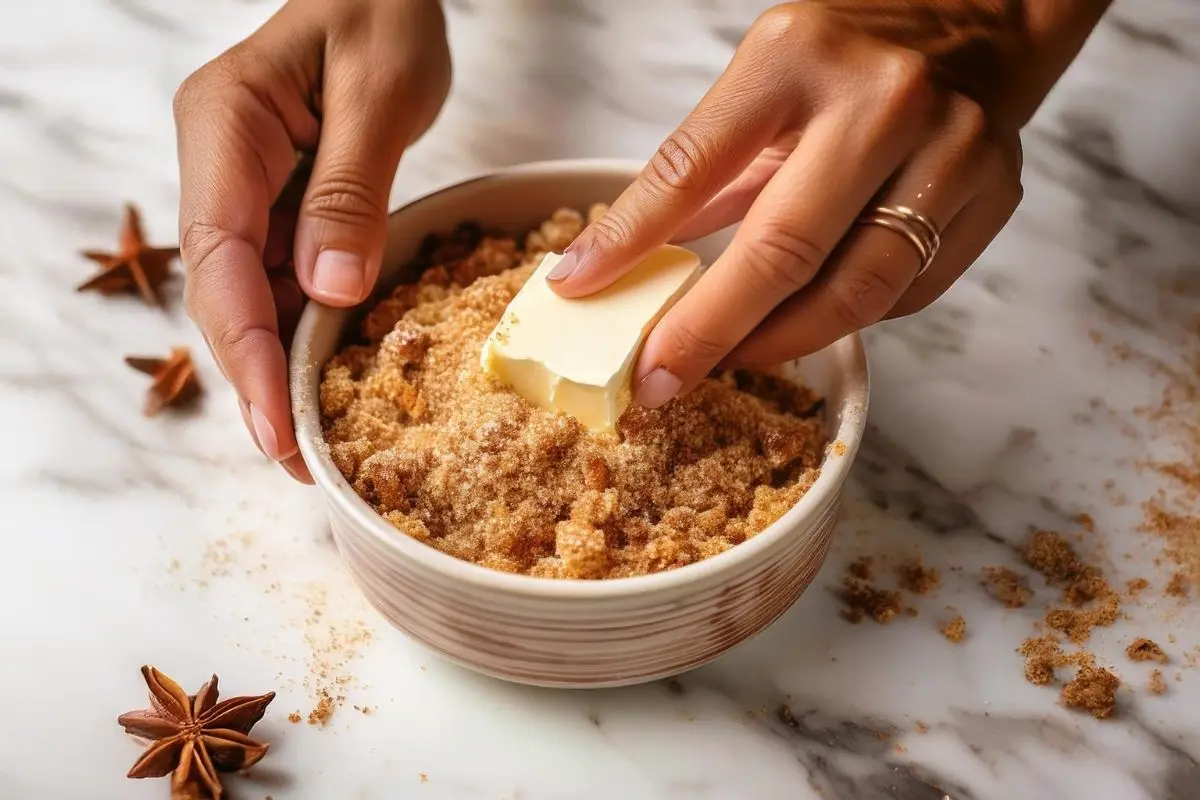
(576, 356)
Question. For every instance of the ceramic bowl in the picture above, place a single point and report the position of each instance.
(554, 632)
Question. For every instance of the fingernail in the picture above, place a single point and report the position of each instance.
(338, 275)
(657, 388)
(567, 265)
(267, 439)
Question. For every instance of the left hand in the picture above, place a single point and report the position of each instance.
(814, 123)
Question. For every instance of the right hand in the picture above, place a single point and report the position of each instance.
(350, 85)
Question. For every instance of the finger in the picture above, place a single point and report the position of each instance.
(235, 153)
(342, 221)
(731, 203)
(281, 230)
(719, 139)
(968, 238)
(296, 467)
(875, 266)
(797, 220)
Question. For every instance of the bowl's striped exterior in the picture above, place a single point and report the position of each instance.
(583, 642)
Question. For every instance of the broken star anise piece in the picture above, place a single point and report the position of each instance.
(194, 737)
(175, 381)
(135, 266)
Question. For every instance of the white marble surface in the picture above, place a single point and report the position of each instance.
(171, 541)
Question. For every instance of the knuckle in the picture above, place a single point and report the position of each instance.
(680, 164)
(345, 195)
(234, 343)
(197, 248)
(969, 121)
(905, 79)
(782, 259)
(786, 25)
(610, 231)
(861, 299)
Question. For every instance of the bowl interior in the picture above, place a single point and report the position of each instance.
(517, 199)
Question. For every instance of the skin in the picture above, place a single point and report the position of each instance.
(827, 109)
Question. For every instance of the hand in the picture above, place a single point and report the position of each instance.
(350, 85)
(818, 118)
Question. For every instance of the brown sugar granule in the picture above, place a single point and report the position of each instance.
(860, 600)
(1179, 531)
(862, 568)
(1155, 683)
(918, 579)
(471, 469)
(1006, 586)
(1093, 603)
(1177, 586)
(1137, 586)
(1044, 654)
(1145, 650)
(323, 711)
(1093, 689)
(955, 629)
(1051, 555)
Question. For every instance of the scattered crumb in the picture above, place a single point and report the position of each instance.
(862, 568)
(1156, 684)
(918, 579)
(323, 711)
(1177, 586)
(1137, 586)
(1093, 603)
(295, 718)
(1093, 689)
(1006, 586)
(424, 778)
(863, 600)
(366, 711)
(1086, 522)
(1145, 650)
(1044, 654)
(955, 629)
(922, 728)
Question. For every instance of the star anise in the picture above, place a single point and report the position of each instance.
(194, 737)
(175, 381)
(135, 266)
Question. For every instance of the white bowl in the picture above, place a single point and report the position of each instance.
(556, 632)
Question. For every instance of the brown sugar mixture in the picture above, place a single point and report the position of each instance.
(955, 629)
(1092, 601)
(1145, 650)
(466, 466)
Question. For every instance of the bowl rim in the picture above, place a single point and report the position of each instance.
(850, 358)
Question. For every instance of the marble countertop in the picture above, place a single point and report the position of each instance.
(1018, 401)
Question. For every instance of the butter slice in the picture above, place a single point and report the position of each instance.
(576, 356)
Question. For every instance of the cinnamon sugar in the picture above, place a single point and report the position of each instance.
(917, 578)
(1145, 650)
(1093, 689)
(1007, 586)
(468, 467)
(955, 629)
(1155, 683)
(1092, 602)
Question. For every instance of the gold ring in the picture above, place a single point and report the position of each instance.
(912, 225)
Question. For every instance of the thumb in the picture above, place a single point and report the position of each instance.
(341, 225)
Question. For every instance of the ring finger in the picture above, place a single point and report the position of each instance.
(874, 266)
